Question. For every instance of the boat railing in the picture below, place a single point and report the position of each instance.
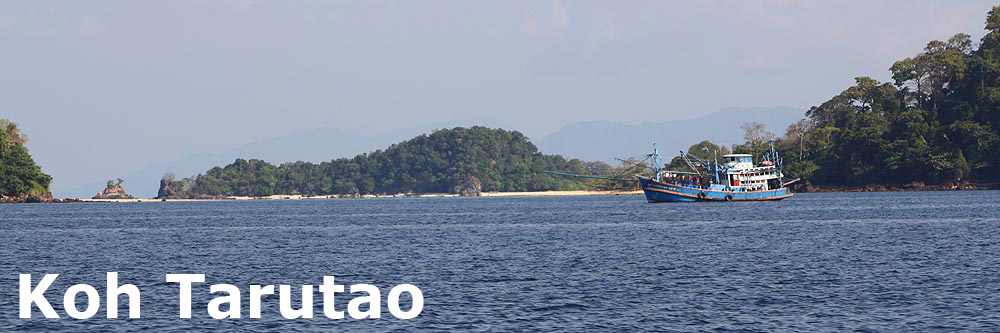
(709, 187)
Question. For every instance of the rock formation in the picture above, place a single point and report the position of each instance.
(27, 198)
(468, 187)
(167, 190)
(113, 191)
(170, 188)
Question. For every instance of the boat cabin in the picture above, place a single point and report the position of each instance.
(743, 175)
(738, 161)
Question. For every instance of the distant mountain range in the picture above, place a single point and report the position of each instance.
(590, 141)
(605, 140)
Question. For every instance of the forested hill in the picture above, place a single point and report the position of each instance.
(937, 123)
(20, 177)
(444, 161)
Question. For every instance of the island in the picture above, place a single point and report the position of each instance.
(114, 190)
(461, 161)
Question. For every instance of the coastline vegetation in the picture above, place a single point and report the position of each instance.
(441, 162)
(19, 175)
(936, 123)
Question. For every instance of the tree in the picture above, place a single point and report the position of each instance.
(991, 41)
(796, 136)
(19, 175)
(754, 132)
(13, 133)
(756, 136)
(706, 150)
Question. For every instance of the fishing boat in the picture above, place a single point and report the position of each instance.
(737, 178)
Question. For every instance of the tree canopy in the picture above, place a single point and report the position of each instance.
(19, 175)
(937, 122)
(500, 160)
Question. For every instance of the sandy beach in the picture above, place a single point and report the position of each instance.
(559, 193)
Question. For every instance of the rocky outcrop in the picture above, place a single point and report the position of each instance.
(913, 186)
(113, 191)
(25, 198)
(468, 187)
(172, 189)
(167, 189)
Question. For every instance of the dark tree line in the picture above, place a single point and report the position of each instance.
(500, 160)
(937, 122)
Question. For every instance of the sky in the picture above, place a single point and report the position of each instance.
(107, 87)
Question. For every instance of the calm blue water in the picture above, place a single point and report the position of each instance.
(817, 262)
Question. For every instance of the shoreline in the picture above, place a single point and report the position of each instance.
(911, 187)
(371, 196)
(808, 188)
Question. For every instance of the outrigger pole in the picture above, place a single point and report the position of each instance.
(784, 183)
(690, 165)
(657, 163)
(656, 168)
(587, 176)
(638, 164)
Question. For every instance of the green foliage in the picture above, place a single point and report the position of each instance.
(112, 183)
(501, 161)
(938, 122)
(705, 150)
(677, 163)
(19, 175)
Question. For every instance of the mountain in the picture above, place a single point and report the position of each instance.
(606, 140)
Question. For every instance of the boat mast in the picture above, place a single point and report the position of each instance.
(656, 162)
(716, 171)
(774, 155)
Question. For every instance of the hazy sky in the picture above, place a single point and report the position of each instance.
(107, 87)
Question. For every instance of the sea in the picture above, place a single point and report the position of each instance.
(816, 262)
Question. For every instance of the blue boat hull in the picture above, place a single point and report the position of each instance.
(663, 192)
